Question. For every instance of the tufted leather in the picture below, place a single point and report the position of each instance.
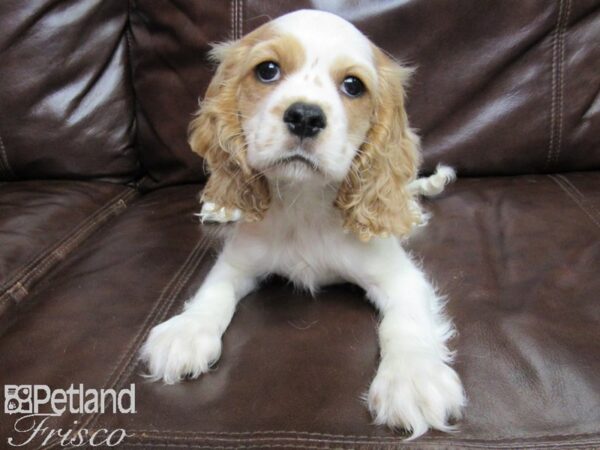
(97, 91)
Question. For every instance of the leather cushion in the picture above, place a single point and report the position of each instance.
(41, 222)
(517, 257)
(66, 104)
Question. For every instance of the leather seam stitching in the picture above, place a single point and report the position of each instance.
(237, 19)
(232, 18)
(181, 282)
(561, 91)
(553, 87)
(167, 297)
(571, 193)
(584, 198)
(161, 307)
(39, 265)
(234, 436)
(594, 210)
(28, 266)
(75, 238)
(555, 72)
(425, 443)
(134, 104)
(241, 18)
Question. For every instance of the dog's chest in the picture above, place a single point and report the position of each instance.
(305, 248)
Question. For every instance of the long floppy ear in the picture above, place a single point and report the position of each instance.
(374, 197)
(216, 135)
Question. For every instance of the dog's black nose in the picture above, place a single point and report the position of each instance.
(304, 120)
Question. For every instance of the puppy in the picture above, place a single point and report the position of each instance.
(312, 160)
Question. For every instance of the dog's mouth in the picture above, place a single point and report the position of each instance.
(304, 159)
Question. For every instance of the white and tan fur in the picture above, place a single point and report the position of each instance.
(339, 218)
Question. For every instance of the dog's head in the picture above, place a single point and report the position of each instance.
(307, 98)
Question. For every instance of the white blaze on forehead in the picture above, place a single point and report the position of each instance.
(326, 36)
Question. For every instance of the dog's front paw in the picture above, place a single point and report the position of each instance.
(181, 347)
(415, 394)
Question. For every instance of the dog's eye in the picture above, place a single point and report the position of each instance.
(353, 87)
(268, 71)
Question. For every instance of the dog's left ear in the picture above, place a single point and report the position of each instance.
(216, 134)
(374, 197)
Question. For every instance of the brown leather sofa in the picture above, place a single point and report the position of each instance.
(98, 241)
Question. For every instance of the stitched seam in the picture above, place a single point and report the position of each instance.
(554, 84)
(55, 256)
(237, 12)
(4, 164)
(250, 435)
(578, 201)
(595, 211)
(40, 263)
(241, 18)
(232, 4)
(175, 291)
(134, 343)
(237, 16)
(561, 91)
(24, 270)
(134, 106)
(159, 309)
(74, 240)
(180, 280)
(348, 440)
(222, 447)
(424, 442)
(427, 444)
(581, 194)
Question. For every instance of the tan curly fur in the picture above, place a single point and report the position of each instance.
(216, 135)
(374, 197)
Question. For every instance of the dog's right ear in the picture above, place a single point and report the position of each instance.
(216, 134)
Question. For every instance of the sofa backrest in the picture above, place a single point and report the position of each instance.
(503, 87)
(66, 102)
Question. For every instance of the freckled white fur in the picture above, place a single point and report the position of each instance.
(302, 238)
(266, 133)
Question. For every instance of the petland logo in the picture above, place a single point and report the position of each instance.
(37, 403)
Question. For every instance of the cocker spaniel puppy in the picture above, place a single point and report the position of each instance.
(312, 160)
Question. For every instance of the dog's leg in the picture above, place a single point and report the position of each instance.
(414, 388)
(186, 345)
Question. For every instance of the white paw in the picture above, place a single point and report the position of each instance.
(182, 347)
(415, 394)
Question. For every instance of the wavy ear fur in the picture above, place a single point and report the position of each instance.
(216, 135)
(374, 197)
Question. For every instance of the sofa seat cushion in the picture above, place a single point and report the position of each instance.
(518, 258)
(43, 221)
